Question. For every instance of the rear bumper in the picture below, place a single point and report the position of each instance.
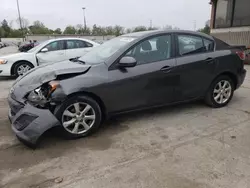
(241, 78)
(29, 122)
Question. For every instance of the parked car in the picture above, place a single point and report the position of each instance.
(122, 75)
(2, 44)
(27, 46)
(54, 50)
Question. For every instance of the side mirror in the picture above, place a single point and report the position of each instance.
(44, 50)
(127, 62)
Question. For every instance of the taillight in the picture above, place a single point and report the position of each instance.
(241, 55)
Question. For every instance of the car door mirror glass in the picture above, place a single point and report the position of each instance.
(44, 50)
(127, 62)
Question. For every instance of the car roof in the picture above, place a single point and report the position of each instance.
(143, 34)
(71, 38)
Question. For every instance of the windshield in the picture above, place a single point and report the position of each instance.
(101, 53)
(36, 47)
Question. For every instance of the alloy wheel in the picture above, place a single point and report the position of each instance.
(22, 69)
(78, 118)
(222, 92)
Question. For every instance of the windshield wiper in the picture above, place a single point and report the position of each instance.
(80, 61)
(76, 59)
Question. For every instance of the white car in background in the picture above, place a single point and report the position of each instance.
(50, 51)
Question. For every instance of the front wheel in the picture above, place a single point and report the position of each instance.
(220, 92)
(21, 68)
(79, 116)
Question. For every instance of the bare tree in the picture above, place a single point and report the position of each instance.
(25, 22)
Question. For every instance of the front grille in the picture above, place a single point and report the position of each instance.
(23, 121)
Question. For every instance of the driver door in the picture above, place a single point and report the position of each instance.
(56, 52)
(151, 82)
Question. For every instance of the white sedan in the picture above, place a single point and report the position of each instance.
(50, 51)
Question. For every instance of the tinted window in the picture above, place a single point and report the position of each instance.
(152, 50)
(241, 13)
(223, 15)
(72, 44)
(209, 45)
(54, 46)
(189, 44)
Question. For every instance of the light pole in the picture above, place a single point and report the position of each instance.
(20, 20)
(85, 25)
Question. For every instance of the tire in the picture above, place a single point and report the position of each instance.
(18, 66)
(215, 90)
(69, 130)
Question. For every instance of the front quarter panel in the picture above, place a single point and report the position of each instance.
(92, 82)
(30, 57)
(5, 69)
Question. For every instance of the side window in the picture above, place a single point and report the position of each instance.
(72, 44)
(54, 46)
(152, 50)
(88, 44)
(189, 44)
(80, 44)
(209, 45)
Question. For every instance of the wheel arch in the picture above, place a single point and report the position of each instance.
(225, 73)
(19, 61)
(230, 75)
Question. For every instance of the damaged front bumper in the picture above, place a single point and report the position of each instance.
(29, 122)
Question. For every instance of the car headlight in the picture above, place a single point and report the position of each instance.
(41, 95)
(3, 61)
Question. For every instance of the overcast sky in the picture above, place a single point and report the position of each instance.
(128, 13)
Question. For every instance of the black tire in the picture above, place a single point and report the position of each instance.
(21, 63)
(79, 98)
(209, 98)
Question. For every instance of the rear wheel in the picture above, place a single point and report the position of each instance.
(21, 68)
(79, 116)
(221, 92)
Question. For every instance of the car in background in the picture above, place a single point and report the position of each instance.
(54, 50)
(2, 44)
(131, 72)
(27, 46)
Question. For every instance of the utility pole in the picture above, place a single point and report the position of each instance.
(150, 24)
(85, 24)
(20, 20)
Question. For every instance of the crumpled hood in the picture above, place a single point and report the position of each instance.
(42, 74)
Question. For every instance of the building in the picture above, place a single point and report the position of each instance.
(230, 21)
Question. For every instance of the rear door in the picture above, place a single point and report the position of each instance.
(55, 53)
(195, 65)
(77, 48)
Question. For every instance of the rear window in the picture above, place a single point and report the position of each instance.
(220, 45)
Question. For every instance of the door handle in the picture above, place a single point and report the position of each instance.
(209, 60)
(166, 69)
